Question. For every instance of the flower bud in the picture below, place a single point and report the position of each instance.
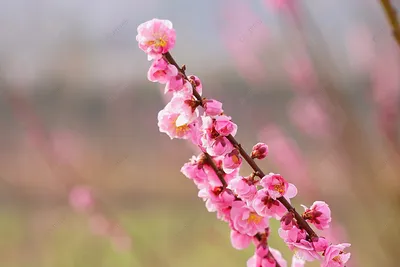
(259, 151)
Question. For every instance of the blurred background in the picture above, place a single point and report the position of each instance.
(86, 179)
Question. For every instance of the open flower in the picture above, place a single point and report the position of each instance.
(265, 205)
(156, 37)
(160, 71)
(277, 186)
(246, 220)
(335, 256)
(318, 214)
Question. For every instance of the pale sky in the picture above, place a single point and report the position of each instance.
(34, 32)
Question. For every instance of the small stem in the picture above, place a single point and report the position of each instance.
(300, 220)
(391, 15)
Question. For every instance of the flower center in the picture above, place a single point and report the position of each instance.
(235, 159)
(279, 188)
(182, 129)
(337, 259)
(159, 41)
(254, 218)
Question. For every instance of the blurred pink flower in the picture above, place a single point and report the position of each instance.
(66, 147)
(252, 40)
(360, 46)
(99, 224)
(286, 154)
(301, 72)
(310, 117)
(279, 4)
(80, 198)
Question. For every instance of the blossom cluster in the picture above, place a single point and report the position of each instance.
(246, 203)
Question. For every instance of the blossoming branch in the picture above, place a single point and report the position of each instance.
(246, 203)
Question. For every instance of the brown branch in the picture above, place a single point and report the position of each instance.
(391, 15)
(300, 220)
(216, 169)
(168, 57)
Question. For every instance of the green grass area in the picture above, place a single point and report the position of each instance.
(166, 236)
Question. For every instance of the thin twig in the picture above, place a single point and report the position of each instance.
(391, 15)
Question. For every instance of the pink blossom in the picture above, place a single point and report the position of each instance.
(194, 170)
(287, 221)
(243, 187)
(265, 205)
(260, 151)
(186, 106)
(278, 257)
(262, 259)
(304, 250)
(232, 161)
(335, 257)
(160, 71)
(276, 5)
(224, 126)
(213, 107)
(296, 262)
(80, 198)
(318, 214)
(178, 117)
(219, 146)
(320, 244)
(277, 186)
(212, 178)
(156, 37)
(240, 241)
(167, 124)
(178, 84)
(295, 238)
(293, 235)
(217, 200)
(246, 220)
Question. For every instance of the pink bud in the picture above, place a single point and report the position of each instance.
(197, 83)
(260, 151)
(213, 107)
